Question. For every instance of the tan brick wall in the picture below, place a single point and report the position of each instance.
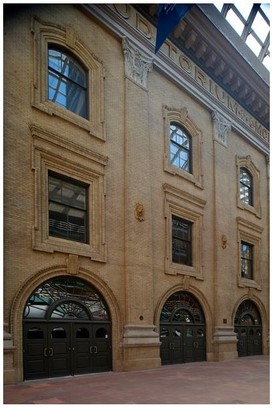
(133, 276)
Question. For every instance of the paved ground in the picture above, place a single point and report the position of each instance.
(245, 380)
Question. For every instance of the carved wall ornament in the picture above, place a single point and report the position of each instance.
(222, 128)
(139, 212)
(224, 241)
(137, 65)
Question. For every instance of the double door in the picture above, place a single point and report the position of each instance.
(249, 340)
(66, 348)
(182, 343)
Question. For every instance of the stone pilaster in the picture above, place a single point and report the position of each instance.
(139, 334)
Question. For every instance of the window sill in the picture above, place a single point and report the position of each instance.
(173, 170)
(182, 269)
(246, 282)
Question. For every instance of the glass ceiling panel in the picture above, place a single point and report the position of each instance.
(251, 22)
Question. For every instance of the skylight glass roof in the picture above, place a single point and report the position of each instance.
(251, 22)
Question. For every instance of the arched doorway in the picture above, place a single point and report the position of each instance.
(66, 330)
(248, 326)
(182, 330)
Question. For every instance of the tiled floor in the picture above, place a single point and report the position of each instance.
(245, 380)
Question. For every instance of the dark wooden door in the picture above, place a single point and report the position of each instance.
(182, 343)
(101, 348)
(35, 350)
(59, 349)
(66, 348)
(249, 340)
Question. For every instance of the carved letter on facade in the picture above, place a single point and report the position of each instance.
(222, 127)
(137, 65)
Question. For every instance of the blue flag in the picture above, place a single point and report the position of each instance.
(169, 16)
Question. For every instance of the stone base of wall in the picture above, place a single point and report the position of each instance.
(141, 348)
(225, 344)
(9, 370)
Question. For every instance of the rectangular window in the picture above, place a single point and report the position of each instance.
(181, 241)
(67, 208)
(246, 260)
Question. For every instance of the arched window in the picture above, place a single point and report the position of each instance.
(246, 186)
(180, 147)
(67, 81)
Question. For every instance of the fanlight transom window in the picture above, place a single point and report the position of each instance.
(66, 298)
(67, 82)
(180, 147)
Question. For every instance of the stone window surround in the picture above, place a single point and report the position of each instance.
(190, 208)
(246, 162)
(181, 118)
(54, 153)
(252, 234)
(65, 37)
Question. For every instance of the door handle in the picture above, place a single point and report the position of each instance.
(91, 350)
(96, 350)
(50, 352)
(45, 352)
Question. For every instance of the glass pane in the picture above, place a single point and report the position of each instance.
(246, 251)
(235, 22)
(253, 44)
(69, 310)
(266, 9)
(67, 66)
(82, 333)
(181, 229)
(177, 332)
(200, 333)
(101, 333)
(183, 316)
(260, 27)
(244, 8)
(66, 220)
(67, 82)
(35, 333)
(164, 333)
(58, 333)
(189, 333)
(179, 147)
(65, 192)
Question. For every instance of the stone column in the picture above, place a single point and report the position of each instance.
(140, 341)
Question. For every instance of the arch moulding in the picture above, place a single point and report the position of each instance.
(200, 298)
(19, 302)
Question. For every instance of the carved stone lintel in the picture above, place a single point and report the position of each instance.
(72, 263)
(222, 127)
(137, 65)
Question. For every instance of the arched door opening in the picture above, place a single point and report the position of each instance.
(248, 326)
(66, 330)
(182, 330)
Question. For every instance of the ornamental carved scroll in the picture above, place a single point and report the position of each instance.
(139, 212)
(222, 128)
(137, 65)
